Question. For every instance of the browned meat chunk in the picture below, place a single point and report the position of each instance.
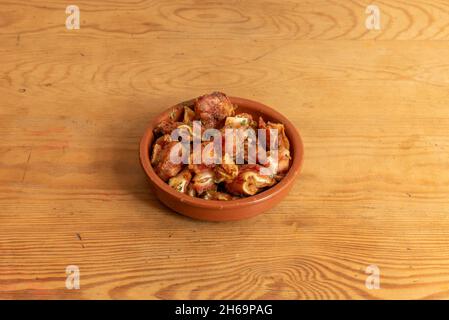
(164, 167)
(213, 108)
(166, 127)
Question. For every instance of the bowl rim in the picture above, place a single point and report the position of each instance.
(295, 168)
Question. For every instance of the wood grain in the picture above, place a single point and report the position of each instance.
(371, 107)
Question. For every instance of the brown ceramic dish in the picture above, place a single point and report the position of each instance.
(213, 210)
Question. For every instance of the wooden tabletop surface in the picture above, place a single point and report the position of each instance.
(372, 107)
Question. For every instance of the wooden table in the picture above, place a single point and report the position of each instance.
(372, 107)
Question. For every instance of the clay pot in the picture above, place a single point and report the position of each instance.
(212, 210)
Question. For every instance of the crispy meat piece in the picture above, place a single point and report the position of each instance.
(204, 181)
(166, 127)
(249, 181)
(203, 155)
(164, 168)
(283, 141)
(279, 166)
(283, 161)
(227, 170)
(215, 195)
(189, 115)
(212, 108)
(181, 180)
(185, 131)
(157, 148)
(241, 120)
(198, 168)
(237, 142)
(190, 191)
(262, 123)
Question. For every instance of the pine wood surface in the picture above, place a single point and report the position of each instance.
(371, 106)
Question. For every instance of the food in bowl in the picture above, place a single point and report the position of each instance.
(212, 151)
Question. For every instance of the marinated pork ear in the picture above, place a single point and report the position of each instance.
(204, 181)
(190, 191)
(281, 164)
(262, 124)
(227, 170)
(283, 161)
(185, 132)
(283, 141)
(215, 195)
(189, 115)
(205, 154)
(166, 127)
(241, 120)
(181, 181)
(164, 167)
(212, 108)
(249, 181)
(157, 148)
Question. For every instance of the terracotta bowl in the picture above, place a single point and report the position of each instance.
(213, 210)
